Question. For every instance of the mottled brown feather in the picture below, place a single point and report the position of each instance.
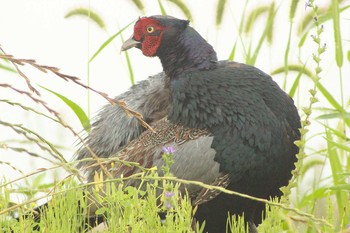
(141, 150)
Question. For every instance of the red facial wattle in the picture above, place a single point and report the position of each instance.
(149, 32)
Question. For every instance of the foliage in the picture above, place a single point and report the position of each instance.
(319, 205)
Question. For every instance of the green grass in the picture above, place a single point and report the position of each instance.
(319, 205)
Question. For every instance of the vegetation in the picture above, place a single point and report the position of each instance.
(317, 198)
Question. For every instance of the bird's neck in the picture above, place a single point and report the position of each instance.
(186, 52)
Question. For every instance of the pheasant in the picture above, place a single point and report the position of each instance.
(230, 124)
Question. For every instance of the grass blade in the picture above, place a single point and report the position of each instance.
(183, 7)
(29, 109)
(131, 72)
(161, 7)
(335, 115)
(233, 52)
(336, 167)
(241, 24)
(253, 16)
(286, 55)
(341, 187)
(267, 31)
(79, 112)
(308, 73)
(295, 85)
(7, 68)
(109, 41)
(342, 147)
(220, 11)
(303, 39)
(335, 132)
(139, 5)
(337, 36)
(86, 12)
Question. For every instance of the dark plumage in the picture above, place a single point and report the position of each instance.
(230, 123)
(250, 122)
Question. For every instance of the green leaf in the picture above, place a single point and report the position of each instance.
(303, 39)
(86, 12)
(337, 115)
(233, 52)
(337, 36)
(131, 72)
(295, 85)
(79, 112)
(109, 41)
(7, 68)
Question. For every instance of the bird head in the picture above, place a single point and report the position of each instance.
(150, 32)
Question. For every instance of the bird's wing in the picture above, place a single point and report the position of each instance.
(113, 128)
(193, 156)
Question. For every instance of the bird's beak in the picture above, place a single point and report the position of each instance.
(129, 43)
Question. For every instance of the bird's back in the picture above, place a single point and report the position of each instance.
(254, 124)
(253, 121)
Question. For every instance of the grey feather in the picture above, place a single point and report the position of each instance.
(113, 128)
(193, 160)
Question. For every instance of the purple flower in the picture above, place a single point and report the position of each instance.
(169, 194)
(307, 4)
(168, 205)
(168, 149)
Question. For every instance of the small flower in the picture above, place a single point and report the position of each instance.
(169, 194)
(307, 4)
(168, 205)
(168, 149)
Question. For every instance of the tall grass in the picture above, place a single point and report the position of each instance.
(317, 197)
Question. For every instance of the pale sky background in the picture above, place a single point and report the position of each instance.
(37, 30)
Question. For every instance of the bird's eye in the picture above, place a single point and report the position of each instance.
(150, 29)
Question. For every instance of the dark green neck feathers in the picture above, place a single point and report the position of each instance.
(183, 49)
